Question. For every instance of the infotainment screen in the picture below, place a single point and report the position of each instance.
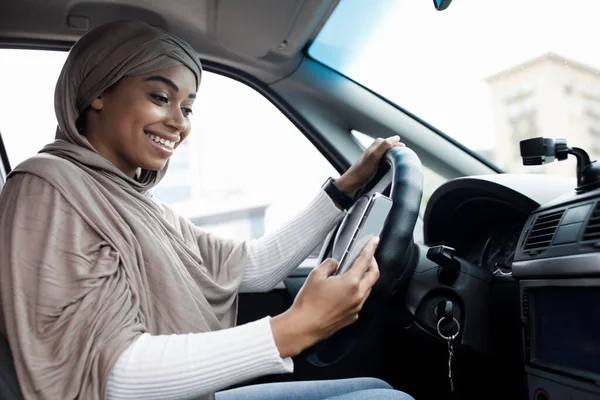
(566, 329)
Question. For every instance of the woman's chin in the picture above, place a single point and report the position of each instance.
(155, 165)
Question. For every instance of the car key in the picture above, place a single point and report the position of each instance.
(450, 354)
(449, 339)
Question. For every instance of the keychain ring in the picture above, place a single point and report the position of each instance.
(450, 337)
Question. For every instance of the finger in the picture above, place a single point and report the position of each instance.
(377, 152)
(393, 139)
(327, 268)
(370, 277)
(362, 262)
(384, 145)
(375, 145)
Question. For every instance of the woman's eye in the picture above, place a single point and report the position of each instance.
(160, 98)
(187, 111)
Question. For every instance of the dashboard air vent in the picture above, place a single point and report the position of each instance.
(592, 230)
(542, 231)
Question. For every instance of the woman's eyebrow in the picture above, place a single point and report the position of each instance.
(169, 82)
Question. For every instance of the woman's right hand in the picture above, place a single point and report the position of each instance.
(326, 303)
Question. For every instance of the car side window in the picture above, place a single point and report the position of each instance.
(27, 119)
(244, 170)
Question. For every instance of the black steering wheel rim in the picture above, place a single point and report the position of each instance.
(399, 172)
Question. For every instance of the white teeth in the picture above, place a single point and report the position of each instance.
(167, 143)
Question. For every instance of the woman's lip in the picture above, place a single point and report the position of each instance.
(167, 136)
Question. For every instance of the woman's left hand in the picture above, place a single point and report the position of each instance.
(361, 172)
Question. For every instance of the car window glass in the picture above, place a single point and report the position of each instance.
(487, 74)
(244, 170)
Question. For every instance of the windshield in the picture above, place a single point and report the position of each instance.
(486, 73)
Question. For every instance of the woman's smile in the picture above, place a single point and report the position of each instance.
(163, 147)
(162, 141)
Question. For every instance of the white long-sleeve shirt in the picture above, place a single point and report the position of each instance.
(187, 366)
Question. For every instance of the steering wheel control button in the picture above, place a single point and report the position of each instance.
(449, 267)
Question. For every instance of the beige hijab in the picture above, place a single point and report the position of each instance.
(89, 261)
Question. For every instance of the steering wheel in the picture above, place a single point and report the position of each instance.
(400, 177)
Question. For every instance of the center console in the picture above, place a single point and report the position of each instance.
(557, 264)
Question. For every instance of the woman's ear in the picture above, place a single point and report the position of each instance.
(98, 103)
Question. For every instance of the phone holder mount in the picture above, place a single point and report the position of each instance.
(538, 151)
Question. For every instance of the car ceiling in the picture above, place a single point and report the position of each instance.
(264, 38)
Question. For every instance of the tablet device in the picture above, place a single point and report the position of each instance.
(372, 213)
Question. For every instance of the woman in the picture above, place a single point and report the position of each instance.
(106, 293)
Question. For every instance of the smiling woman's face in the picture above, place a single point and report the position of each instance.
(140, 121)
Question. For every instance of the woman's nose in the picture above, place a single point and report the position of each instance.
(176, 120)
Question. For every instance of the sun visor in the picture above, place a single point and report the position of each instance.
(254, 28)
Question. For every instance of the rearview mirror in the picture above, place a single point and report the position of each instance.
(441, 5)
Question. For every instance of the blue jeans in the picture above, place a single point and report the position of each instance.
(340, 389)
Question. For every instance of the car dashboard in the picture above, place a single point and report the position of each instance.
(536, 233)
(482, 217)
(489, 232)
